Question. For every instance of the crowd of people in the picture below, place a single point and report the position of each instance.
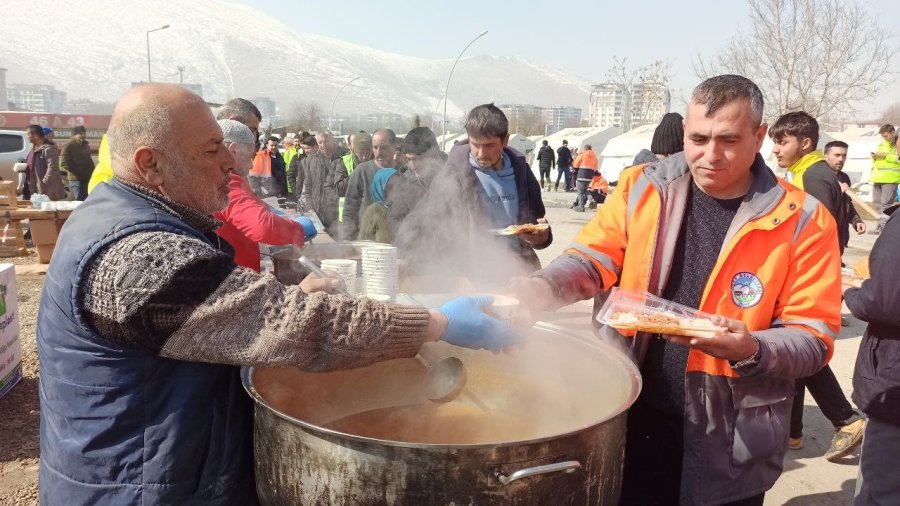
(154, 294)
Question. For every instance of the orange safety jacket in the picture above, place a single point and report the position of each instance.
(262, 164)
(778, 272)
(599, 183)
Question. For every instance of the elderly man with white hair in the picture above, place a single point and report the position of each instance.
(144, 317)
(248, 221)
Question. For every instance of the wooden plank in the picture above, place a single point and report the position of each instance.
(33, 214)
(863, 204)
(8, 197)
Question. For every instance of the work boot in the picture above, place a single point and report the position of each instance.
(579, 209)
(556, 188)
(845, 322)
(592, 205)
(846, 439)
(795, 443)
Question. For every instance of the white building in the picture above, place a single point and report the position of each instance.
(4, 98)
(608, 106)
(269, 113)
(522, 114)
(557, 118)
(649, 102)
(36, 97)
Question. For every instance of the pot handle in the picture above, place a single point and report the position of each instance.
(569, 466)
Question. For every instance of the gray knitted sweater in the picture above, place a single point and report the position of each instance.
(178, 297)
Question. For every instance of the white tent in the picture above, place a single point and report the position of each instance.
(522, 144)
(620, 151)
(452, 138)
(578, 137)
(862, 142)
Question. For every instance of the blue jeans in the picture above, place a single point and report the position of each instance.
(78, 189)
(582, 193)
(564, 172)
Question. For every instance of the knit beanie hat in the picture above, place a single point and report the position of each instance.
(363, 141)
(418, 141)
(668, 138)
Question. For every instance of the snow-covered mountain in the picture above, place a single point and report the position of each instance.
(96, 48)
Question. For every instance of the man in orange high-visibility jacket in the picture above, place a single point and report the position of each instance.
(714, 229)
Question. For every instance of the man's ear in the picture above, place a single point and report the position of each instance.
(806, 144)
(146, 162)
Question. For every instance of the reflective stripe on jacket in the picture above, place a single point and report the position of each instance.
(886, 170)
(778, 272)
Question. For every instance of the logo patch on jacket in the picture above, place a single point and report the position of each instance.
(746, 289)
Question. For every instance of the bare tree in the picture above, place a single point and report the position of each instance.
(820, 56)
(527, 123)
(646, 90)
(891, 114)
(306, 116)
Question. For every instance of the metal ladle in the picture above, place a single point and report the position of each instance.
(444, 379)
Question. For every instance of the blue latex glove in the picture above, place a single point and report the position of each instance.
(309, 230)
(470, 327)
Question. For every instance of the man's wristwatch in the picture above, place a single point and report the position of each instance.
(752, 359)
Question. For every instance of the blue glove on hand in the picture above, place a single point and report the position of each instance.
(469, 326)
(309, 230)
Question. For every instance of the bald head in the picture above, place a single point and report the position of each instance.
(146, 116)
(164, 137)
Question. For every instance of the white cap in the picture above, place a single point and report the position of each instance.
(235, 131)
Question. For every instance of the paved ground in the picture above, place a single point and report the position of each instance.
(808, 479)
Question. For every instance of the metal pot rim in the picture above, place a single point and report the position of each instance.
(619, 356)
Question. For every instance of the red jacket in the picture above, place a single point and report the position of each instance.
(248, 221)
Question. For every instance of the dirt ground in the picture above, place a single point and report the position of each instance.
(19, 409)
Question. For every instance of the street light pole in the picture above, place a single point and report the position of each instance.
(331, 114)
(444, 119)
(149, 76)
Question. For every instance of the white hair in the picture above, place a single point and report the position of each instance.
(235, 131)
(148, 124)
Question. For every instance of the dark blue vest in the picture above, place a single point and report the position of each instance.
(120, 426)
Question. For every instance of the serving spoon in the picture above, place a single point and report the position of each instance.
(444, 379)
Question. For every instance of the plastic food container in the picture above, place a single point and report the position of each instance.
(849, 277)
(643, 312)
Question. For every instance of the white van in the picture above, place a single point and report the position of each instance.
(14, 145)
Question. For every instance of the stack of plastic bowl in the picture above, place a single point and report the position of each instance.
(379, 271)
(345, 268)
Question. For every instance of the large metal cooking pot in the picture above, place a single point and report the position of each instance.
(554, 432)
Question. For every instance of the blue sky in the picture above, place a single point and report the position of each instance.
(581, 36)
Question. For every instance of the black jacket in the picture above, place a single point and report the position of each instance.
(849, 215)
(563, 157)
(448, 232)
(545, 157)
(876, 379)
(819, 181)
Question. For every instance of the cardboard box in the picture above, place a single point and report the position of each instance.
(10, 345)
